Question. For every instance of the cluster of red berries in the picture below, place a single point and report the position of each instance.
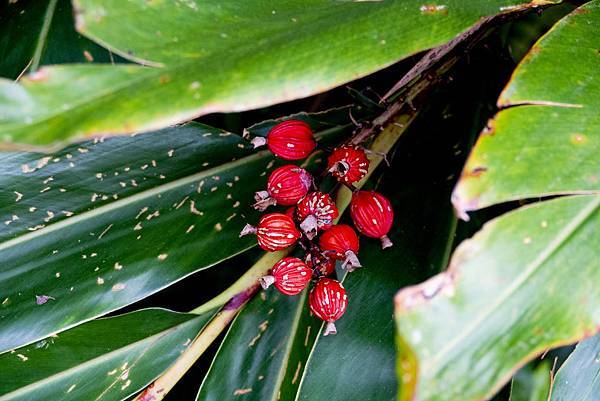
(313, 213)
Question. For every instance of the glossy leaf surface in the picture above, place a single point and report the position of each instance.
(213, 56)
(105, 223)
(578, 379)
(108, 359)
(548, 144)
(524, 284)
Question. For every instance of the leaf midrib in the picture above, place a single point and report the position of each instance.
(531, 268)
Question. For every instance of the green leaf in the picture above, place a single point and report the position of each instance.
(531, 383)
(526, 283)
(548, 143)
(209, 57)
(579, 378)
(108, 359)
(104, 223)
(34, 33)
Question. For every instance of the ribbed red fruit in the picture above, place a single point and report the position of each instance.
(328, 301)
(290, 140)
(290, 276)
(275, 231)
(373, 215)
(286, 186)
(341, 242)
(348, 164)
(316, 211)
(322, 264)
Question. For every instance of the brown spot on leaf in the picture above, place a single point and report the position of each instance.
(476, 171)
(413, 296)
(580, 10)
(579, 139)
(433, 9)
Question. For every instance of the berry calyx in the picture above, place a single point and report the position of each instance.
(286, 186)
(316, 212)
(373, 215)
(290, 276)
(289, 140)
(328, 301)
(275, 231)
(341, 242)
(320, 264)
(348, 164)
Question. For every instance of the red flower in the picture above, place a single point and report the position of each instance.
(275, 231)
(286, 186)
(316, 212)
(290, 276)
(341, 242)
(328, 301)
(348, 164)
(372, 215)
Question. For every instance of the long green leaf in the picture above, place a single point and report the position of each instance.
(579, 378)
(102, 224)
(526, 283)
(108, 359)
(531, 383)
(39, 32)
(210, 56)
(548, 144)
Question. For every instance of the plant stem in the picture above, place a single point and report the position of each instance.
(41, 42)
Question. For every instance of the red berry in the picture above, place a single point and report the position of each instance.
(372, 215)
(286, 186)
(348, 164)
(324, 265)
(341, 242)
(290, 276)
(290, 140)
(316, 212)
(275, 231)
(328, 301)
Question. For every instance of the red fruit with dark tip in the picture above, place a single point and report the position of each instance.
(341, 242)
(373, 215)
(322, 264)
(286, 186)
(290, 140)
(290, 276)
(316, 212)
(275, 231)
(328, 301)
(348, 164)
